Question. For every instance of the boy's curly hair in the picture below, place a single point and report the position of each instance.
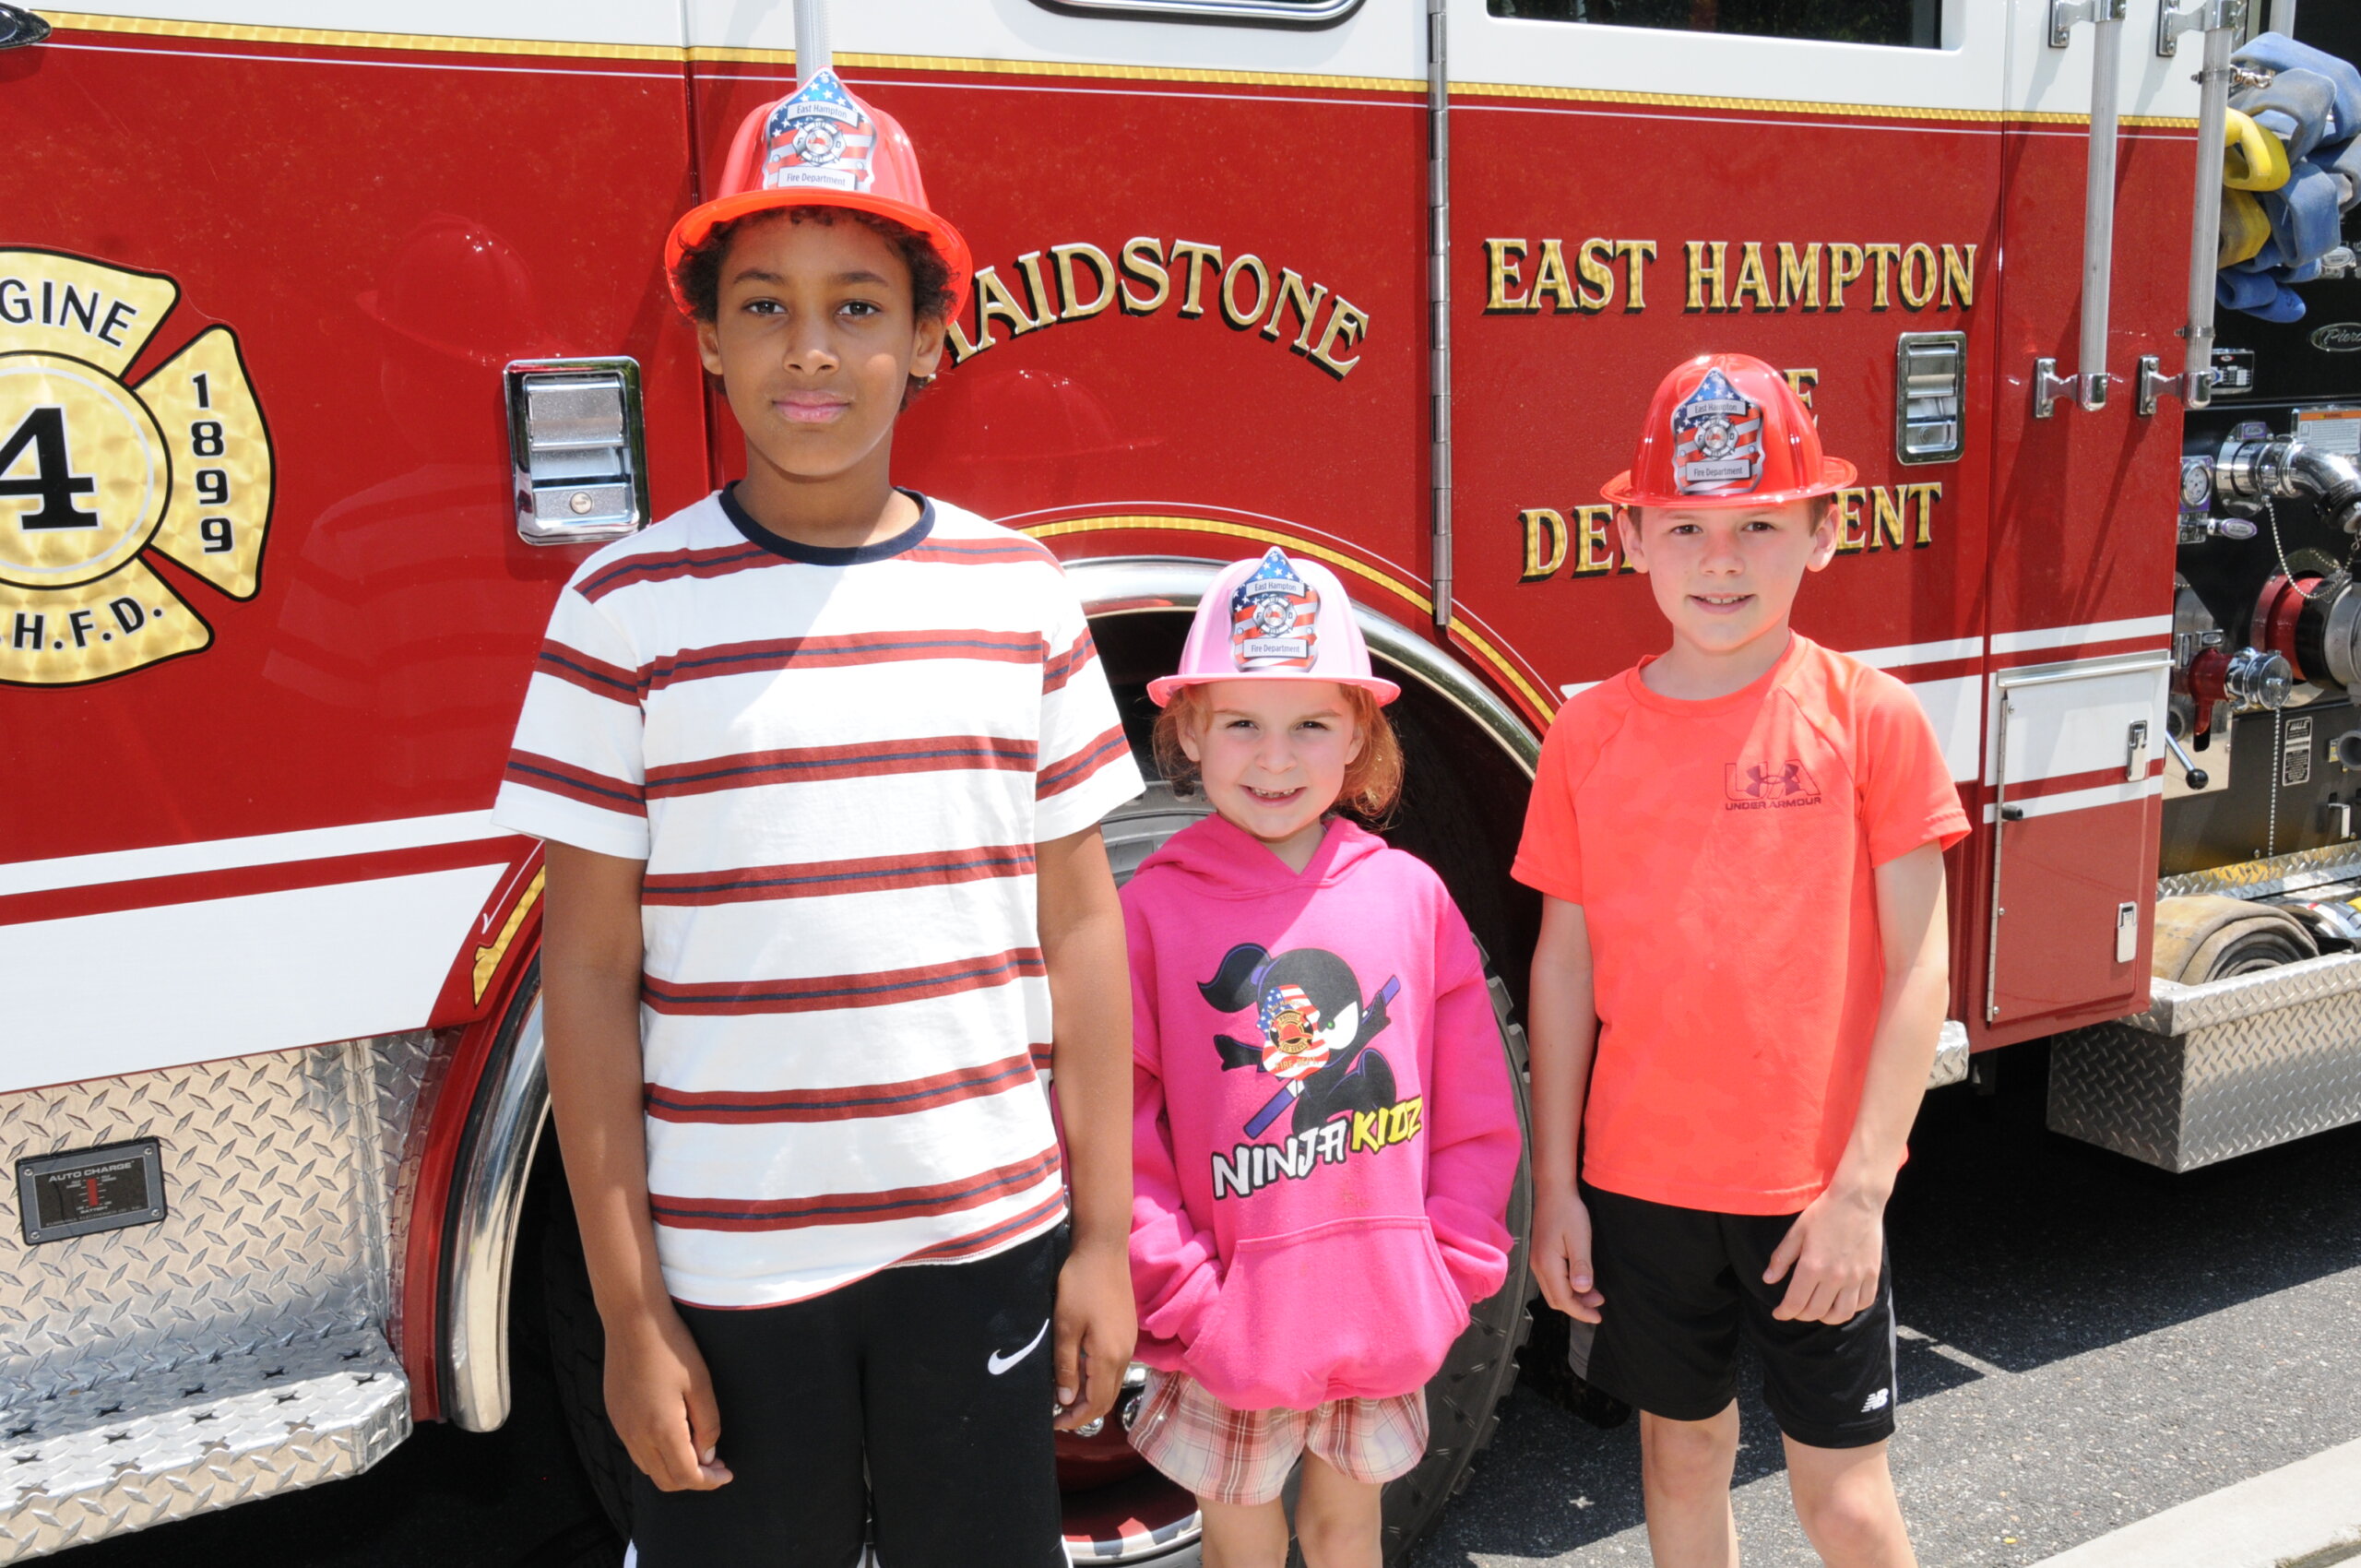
(1372, 780)
(700, 269)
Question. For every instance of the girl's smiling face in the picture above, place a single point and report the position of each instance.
(1272, 757)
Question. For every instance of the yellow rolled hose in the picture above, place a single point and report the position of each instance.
(2244, 229)
(2254, 158)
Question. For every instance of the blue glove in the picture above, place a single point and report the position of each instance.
(2277, 52)
(2297, 106)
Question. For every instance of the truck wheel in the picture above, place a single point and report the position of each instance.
(578, 1362)
(1464, 1398)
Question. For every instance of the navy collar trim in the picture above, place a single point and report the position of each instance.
(828, 555)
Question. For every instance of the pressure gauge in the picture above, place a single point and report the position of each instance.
(2196, 483)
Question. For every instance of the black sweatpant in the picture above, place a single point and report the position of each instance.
(920, 1397)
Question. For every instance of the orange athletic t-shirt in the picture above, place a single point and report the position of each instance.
(1721, 854)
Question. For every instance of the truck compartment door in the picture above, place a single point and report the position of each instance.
(2074, 792)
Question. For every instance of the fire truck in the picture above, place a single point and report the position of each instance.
(333, 336)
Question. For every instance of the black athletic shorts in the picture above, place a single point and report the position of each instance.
(1682, 1285)
(915, 1405)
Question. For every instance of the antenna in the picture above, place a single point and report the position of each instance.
(812, 54)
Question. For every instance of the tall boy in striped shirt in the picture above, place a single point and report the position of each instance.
(819, 762)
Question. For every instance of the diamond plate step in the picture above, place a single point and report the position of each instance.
(2217, 1070)
(127, 1455)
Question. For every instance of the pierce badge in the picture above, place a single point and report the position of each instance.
(1273, 617)
(819, 136)
(99, 478)
(1717, 440)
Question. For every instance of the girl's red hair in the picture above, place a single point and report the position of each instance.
(1372, 780)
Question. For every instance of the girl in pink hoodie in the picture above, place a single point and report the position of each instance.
(1324, 1136)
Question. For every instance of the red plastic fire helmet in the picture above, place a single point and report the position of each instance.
(1726, 429)
(822, 147)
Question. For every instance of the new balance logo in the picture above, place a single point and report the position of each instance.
(1876, 1402)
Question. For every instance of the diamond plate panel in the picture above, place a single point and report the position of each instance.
(279, 1172)
(2219, 1070)
(2291, 873)
(126, 1456)
(2182, 1009)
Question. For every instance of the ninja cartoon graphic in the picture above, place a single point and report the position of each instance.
(1316, 1031)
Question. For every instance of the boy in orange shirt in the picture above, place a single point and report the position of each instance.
(1742, 971)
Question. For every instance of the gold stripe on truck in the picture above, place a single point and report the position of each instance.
(674, 54)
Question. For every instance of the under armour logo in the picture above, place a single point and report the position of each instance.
(1761, 781)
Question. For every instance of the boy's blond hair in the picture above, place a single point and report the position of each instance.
(1819, 503)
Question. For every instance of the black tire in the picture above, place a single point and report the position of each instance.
(578, 1362)
(1464, 1398)
(1548, 1371)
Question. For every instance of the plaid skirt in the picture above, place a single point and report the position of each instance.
(1243, 1457)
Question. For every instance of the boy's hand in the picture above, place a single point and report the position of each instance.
(1835, 1248)
(660, 1398)
(1562, 1253)
(1097, 1325)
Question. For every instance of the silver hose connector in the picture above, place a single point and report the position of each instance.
(2252, 467)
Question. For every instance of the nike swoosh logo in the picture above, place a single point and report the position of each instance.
(999, 1363)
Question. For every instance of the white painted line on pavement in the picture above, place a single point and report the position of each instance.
(2292, 1512)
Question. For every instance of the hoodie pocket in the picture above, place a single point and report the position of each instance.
(1355, 1308)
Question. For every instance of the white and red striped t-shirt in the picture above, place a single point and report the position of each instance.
(836, 763)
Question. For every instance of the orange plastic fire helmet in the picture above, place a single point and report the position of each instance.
(1726, 429)
(822, 147)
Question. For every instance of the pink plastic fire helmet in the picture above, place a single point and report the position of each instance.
(1274, 618)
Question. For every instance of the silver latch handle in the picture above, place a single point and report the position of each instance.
(2205, 16)
(2135, 752)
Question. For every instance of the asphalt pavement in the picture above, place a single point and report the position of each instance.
(2087, 1342)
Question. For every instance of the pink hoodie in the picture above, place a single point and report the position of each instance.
(1323, 1138)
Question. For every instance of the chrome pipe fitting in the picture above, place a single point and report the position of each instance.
(2253, 466)
(2259, 681)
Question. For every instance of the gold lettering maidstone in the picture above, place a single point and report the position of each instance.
(1076, 281)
